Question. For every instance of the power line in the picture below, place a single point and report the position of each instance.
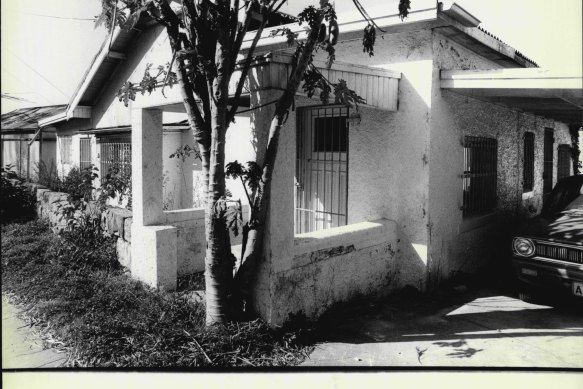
(7, 96)
(52, 16)
(27, 82)
(40, 75)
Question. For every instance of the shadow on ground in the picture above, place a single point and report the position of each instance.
(485, 326)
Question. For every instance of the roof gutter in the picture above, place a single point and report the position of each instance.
(456, 12)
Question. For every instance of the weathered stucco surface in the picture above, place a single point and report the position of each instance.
(387, 178)
(392, 147)
(336, 265)
(467, 245)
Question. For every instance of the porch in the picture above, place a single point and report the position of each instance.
(306, 268)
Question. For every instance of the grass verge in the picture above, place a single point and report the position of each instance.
(103, 318)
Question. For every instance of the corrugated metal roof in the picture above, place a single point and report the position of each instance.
(27, 118)
(518, 53)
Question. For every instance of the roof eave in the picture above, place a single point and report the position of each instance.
(80, 112)
(349, 28)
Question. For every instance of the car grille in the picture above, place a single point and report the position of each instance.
(568, 254)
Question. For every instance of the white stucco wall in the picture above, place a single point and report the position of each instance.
(387, 178)
(397, 145)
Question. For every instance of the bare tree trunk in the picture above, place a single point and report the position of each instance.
(219, 260)
(259, 208)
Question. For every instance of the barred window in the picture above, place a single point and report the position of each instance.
(564, 162)
(480, 175)
(84, 153)
(65, 149)
(528, 163)
(115, 152)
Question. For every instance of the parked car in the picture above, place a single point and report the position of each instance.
(548, 252)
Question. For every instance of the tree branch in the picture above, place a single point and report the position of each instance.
(247, 65)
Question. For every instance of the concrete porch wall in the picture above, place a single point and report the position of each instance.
(336, 265)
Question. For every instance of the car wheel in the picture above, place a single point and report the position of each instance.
(526, 294)
(527, 297)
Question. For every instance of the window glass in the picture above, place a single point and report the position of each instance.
(330, 134)
(528, 162)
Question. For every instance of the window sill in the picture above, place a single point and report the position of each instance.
(474, 222)
(320, 245)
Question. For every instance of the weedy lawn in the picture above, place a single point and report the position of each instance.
(72, 288)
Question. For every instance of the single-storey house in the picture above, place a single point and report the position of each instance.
(458, 128)
(23, 145)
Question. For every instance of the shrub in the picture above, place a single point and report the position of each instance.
(84, 244)
(16, 201)
(116, 183)
(47, 176)
(78, 184)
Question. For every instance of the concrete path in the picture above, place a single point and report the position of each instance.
(21, 347)
(480, 329)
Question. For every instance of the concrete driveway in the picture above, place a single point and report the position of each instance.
(484, 328)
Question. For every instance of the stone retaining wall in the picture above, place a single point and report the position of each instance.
(115, 221)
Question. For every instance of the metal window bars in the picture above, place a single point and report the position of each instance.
(84, 153)
(479, 179)
(321, 168)
(115, 151)
(528, 163)
(66, 143)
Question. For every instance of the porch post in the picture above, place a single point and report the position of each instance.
(154, 245)
(147, 166)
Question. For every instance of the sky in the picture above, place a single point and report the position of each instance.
(47, 45)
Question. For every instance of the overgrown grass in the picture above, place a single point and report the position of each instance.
(102, 318)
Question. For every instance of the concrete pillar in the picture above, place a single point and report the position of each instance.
(154, 246)
(154, 255)
(147, 166)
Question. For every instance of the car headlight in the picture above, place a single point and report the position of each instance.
(523, 247)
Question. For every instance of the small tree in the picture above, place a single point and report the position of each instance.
(206, 38)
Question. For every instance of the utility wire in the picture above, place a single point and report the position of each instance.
(51, 16)
(34, 70)
(6, 71)
(9, 97)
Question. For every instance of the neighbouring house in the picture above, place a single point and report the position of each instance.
(458, 130)
(23, 145)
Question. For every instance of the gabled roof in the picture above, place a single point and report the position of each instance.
(108, 58)
(104, 64)
(449, 18)
(28, 118)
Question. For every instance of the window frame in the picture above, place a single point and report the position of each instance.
(66, 149)
(528, 161)
(480, 176)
